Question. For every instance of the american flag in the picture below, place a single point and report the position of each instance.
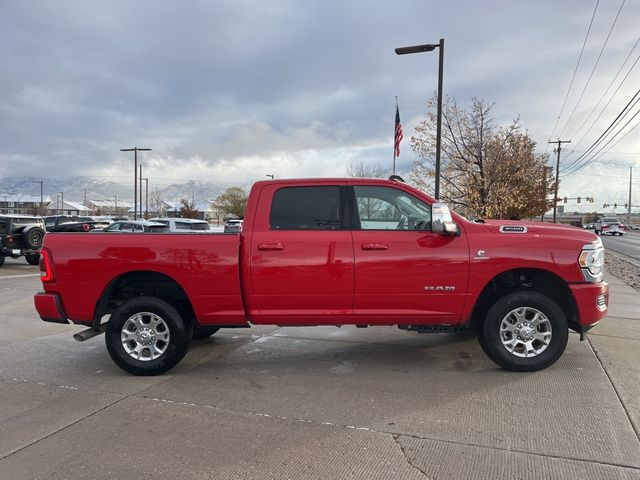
(398, 134)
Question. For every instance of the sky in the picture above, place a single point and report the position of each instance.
(229, 92)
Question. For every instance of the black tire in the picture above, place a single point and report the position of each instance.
(490, 336)
(32, 258)
(204, 332)
(176, 347)
(597, 232)
(32, 237)
(1, 260)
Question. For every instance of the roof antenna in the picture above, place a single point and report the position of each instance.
(397, 178)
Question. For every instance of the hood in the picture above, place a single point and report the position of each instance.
(516, 228)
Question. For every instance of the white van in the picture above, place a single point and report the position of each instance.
(183, 225)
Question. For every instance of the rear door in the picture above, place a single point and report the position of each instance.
(405, 273)
(301, 256)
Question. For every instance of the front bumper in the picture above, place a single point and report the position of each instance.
(49, 307)
(592, 301)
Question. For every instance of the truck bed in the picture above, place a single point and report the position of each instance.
(205, 266)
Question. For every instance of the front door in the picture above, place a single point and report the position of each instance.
(405, 273)
(301, 256)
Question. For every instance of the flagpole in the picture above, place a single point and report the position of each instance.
(394, 140)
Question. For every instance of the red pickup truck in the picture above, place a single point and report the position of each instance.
(330, 252)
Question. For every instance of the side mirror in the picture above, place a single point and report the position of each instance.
(441, 221)
(450, 228)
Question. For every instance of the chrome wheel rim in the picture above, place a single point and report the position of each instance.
(145, 336)
(525, 332)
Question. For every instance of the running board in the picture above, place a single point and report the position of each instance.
(435, 328)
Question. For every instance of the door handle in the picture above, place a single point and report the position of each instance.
(374, 246)
(270, 246)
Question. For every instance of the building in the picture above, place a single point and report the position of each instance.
(21, 204)
(207, 210)
(109, 207)
(69, 208)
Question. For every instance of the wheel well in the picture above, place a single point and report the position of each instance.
(143, 283)
(536, 280)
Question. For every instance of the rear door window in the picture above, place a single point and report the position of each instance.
(307, 208)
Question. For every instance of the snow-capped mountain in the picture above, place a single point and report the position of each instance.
(78, 188)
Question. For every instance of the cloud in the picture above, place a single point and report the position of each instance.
(236, 90)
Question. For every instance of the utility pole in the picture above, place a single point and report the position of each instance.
(41, 196)
(629, 209)
(135, 151)
(140, 177)
(146, 197)
(558, 149)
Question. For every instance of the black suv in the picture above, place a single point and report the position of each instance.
(21, 235)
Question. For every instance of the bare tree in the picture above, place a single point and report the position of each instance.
(232, 202)
(486, 170)
(362, 169)
(156, 204)
(188, 209)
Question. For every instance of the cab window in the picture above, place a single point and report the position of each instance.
(386, 208)
(306, 208)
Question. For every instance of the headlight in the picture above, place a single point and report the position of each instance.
(591, 261)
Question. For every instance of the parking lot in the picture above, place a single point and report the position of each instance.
(318, 402)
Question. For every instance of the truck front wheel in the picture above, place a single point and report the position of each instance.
(147, 336)
(524, 332)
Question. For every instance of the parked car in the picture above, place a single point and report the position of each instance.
(589, 226)
(183, 225)
(610, 226)
(65, 223)
(331, 252)
(233, 226)
(135, 226)
(21, 236)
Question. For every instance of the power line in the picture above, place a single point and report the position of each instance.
(595, 156)
(575, 70)
(605, 93)
(615, 20)
(608, 102)
(621, 115)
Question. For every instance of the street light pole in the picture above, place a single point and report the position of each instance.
(270, 175)
(41, 196)
(146, 197)
(115, 205)
(140, 191)
(135, 151)
(428, 48)
(62, 201)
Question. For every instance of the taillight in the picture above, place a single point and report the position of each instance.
(46, 267)
(9, 238)
(86, 227)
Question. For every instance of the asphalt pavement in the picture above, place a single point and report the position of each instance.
(627, 246)
(322, 402)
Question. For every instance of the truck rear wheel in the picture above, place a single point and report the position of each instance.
(524, 332)
(147, 336)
